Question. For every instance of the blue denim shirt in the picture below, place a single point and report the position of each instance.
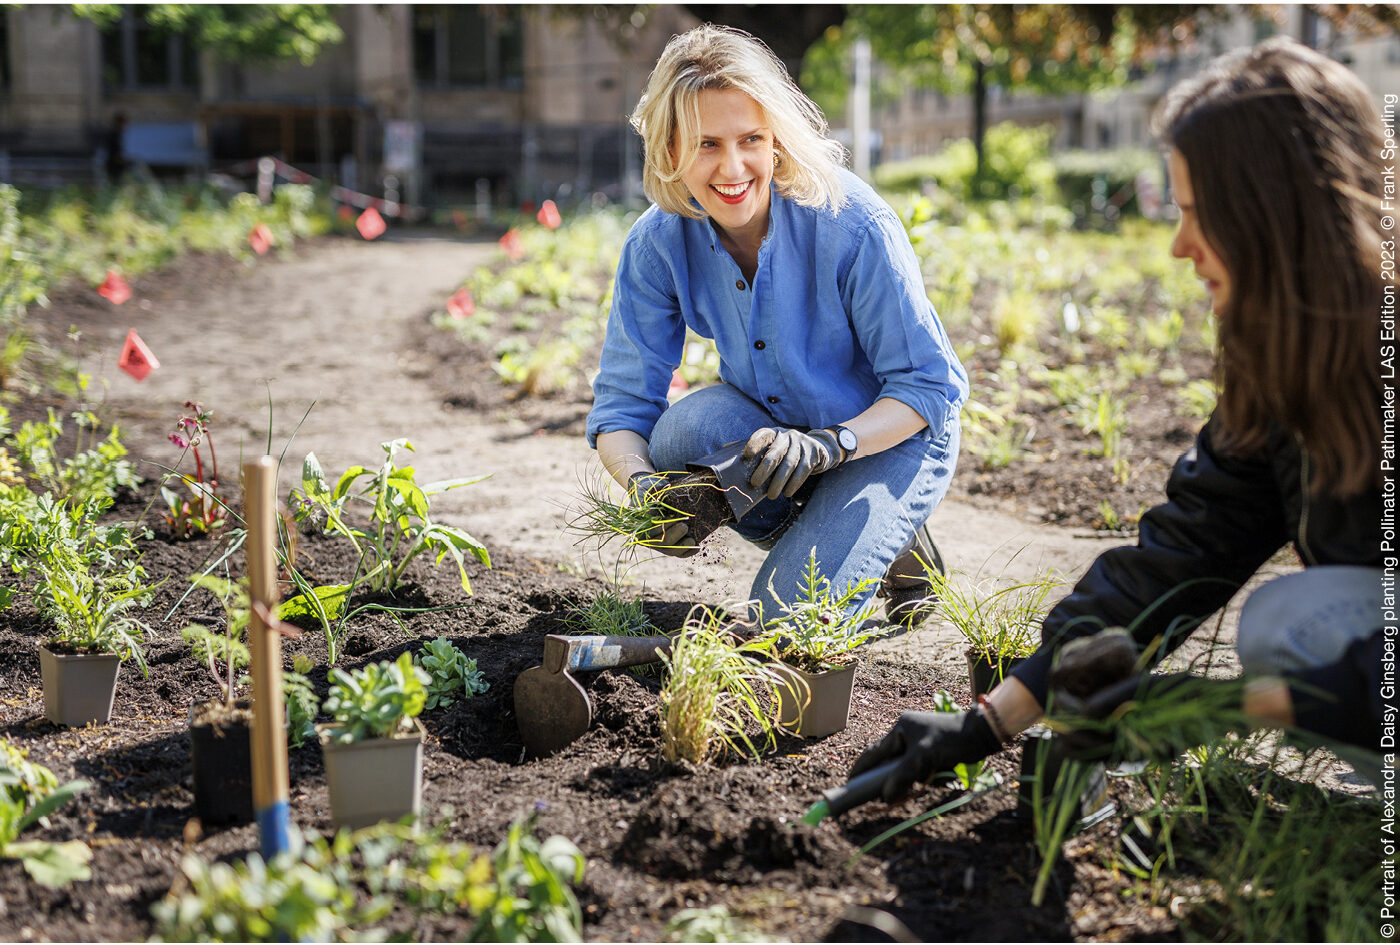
(837, 317)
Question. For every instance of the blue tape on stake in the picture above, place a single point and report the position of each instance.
(272, 829)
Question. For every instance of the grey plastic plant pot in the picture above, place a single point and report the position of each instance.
(78, 689)
(814, 704)
(374, 780)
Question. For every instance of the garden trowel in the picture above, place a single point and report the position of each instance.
(551, 708)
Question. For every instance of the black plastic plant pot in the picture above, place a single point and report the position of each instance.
(985, 671)
(222, 761)
(1042, 760)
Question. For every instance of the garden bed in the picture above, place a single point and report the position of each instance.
(658, 837)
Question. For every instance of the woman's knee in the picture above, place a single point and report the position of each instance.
(701, 422)
(1307, 618)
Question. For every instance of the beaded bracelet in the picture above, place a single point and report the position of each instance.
(989, 712)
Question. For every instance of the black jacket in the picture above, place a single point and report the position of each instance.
(1223, 518)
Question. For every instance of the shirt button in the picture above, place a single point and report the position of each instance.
(772, 400)
(739, 285)
(759, 345)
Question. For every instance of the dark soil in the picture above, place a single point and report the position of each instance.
(658, 837)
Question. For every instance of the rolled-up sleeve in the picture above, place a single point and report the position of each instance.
(898, 329)
(642, 346)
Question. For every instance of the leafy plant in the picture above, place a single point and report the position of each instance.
(203, 511)
(90, 614)
(530, 899)
(376, 701)
(640, 522)
(302, 704)
(95, 468)
(228, 647)
(399, 525)
(1000, 621)
(818, 629)
(1198, 399)
(451, 674)
(610, 614)
(29, 792)
(711, 694)
(1106, 417)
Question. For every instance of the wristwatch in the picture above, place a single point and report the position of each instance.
(846, 440)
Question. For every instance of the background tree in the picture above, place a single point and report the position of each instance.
(237, 32)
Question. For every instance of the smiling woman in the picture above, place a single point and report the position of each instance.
(840, 390)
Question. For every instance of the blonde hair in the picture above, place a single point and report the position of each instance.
(718, 58)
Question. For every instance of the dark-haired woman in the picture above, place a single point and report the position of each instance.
(1274, 160)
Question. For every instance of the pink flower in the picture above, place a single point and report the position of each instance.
(179, 441)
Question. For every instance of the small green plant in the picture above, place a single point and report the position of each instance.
(95, 468)
(375, 702)
(711, 694)
(640, 522)
(302, 704)
(1106, 417)
(399, 529)
(1000, 621)
(451, 674)
(531, 898)
(1015, 321)
(226, 648)
(1198, 399)
(29, 792)
(713, 924)
(818, 629)
(610, 614)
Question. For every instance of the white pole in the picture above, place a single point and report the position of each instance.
(860, 109)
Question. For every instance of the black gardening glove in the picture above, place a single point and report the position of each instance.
(670, 537)
(1148, 716)
(926, 743)
(785, 458)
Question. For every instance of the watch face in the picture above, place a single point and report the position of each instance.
(847, 439)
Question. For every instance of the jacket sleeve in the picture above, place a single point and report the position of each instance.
(1222, 519)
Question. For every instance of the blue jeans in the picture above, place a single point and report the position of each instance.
(857, 518)
(1308, 618)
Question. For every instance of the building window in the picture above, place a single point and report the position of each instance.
(137, 56)
(468, 46)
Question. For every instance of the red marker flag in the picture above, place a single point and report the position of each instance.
(461, 305)
(459, 218)
(346, 213)
(513, 245)
(114, 288)
(549, 215)
(260, 239)
(370, 224)
(678, 383)
(136, 359)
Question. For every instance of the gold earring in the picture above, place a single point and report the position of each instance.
(777, 158)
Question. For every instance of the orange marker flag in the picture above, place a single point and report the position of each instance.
(549, 215)
(346, 213)
(370, 224)
(513, 245)
(261, 239)
(114, 288)
(461, 305)
(136, 359)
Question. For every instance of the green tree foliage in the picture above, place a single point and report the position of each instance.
(238, 32)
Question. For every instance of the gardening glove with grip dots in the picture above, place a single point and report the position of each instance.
(785, 458)
(926, 743)
(668, 537)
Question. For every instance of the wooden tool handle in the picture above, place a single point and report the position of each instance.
(601, 652)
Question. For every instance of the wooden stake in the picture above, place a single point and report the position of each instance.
(265, 646)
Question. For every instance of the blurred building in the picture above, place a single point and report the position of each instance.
(921, 120)
(496, 101)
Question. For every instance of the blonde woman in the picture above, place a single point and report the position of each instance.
(835, 370)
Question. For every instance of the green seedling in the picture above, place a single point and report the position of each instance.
(818, 629)
(451, 674)
(400, 527)
(226, 648)
(375, 702)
